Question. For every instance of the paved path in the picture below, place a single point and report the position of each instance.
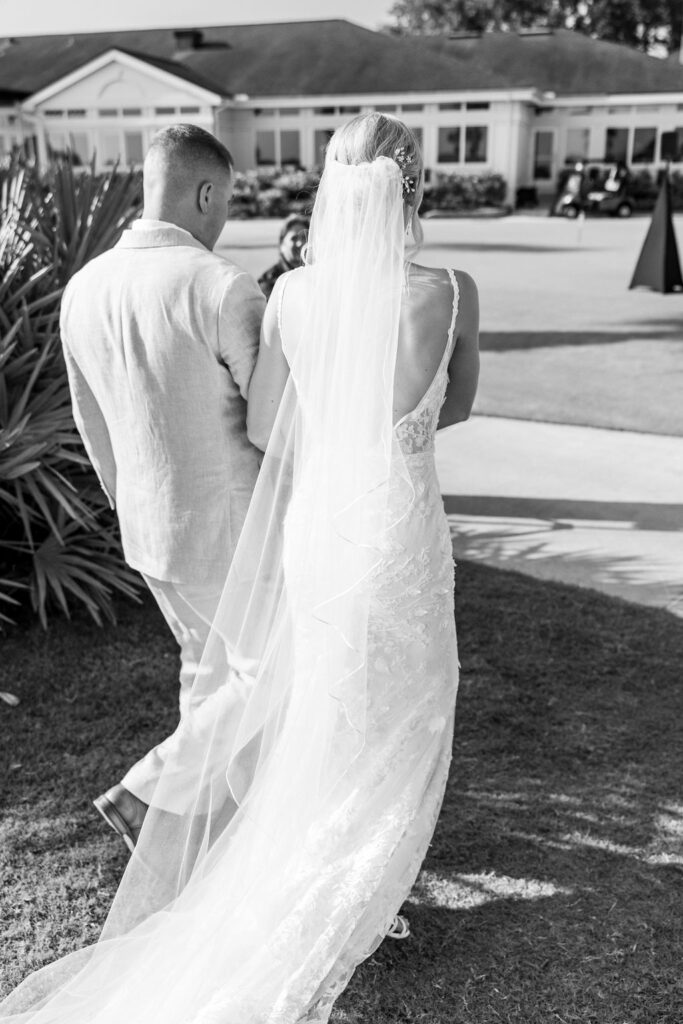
(597, 508)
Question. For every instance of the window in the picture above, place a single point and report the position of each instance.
(449, 146)
(81, 147)
(325, 111)
(75, 113)
(187, 110)
(450, 106)
(290, 148)
(108, 112)
(320, 140)
(616, 145)
(408, 108)
(54, 113)
(578, 141)
(349, 110)
(265, 149)
(671, 146)
(132, 111)
(385, 108)
(417, 132)
(476, 105)
(133, 147)
(476, 144)
(289, 111)
(109, 149)
(644, 142)
(543, 155)
(57, 144)
(165, 111)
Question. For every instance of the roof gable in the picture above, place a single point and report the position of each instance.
(119, 79)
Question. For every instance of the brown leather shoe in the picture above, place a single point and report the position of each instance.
(123, 812)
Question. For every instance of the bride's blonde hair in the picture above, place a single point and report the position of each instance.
(369, 136)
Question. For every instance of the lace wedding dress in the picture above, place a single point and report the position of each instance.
(321, 718)
(381, 835)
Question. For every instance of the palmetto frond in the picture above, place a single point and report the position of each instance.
(58, 540)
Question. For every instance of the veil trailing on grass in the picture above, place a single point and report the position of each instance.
(225, 912)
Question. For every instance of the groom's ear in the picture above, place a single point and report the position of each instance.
(204, 196)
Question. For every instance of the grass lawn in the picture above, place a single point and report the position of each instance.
(552, 890)
(632, 384)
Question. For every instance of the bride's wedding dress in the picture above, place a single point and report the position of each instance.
(323, 759)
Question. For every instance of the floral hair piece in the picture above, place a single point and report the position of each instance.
(403, 161)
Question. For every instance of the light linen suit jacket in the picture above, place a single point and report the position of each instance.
(160, 338)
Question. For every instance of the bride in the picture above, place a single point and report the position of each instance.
(321, 717)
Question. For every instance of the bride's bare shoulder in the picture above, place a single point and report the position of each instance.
(435, 284)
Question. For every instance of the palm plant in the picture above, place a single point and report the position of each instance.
(58, 540)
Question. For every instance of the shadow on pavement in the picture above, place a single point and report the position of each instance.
(641, 515)
(503, 341)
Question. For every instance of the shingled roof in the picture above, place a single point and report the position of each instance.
(563, 62)
(286, 59)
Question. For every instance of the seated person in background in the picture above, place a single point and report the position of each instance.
(293, 237)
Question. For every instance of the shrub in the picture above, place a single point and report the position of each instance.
(464, 192)
(59, 542)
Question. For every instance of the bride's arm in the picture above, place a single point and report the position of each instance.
(270, 375)
(463, 369)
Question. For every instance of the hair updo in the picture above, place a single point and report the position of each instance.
(369, 136)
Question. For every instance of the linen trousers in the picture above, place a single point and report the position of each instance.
(189, 610)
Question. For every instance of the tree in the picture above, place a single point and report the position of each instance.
(644, 24)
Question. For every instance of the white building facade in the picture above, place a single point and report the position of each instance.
(107, 109)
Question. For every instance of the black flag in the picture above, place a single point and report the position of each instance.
(658, 265)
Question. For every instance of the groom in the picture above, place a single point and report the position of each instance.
(160, 338)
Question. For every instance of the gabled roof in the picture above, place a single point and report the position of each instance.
(564, 62)
(157, 68)
(285, 59)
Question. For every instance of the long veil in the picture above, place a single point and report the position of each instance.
(230, 909)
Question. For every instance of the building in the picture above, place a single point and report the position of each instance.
(516, 103)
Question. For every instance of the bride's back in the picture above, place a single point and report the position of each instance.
(425, 319)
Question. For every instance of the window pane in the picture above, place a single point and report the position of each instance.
(349, 110)
(164, 110)
(644, 140)
(80, 145)
(133, 147)
(57, 144)
(449, 145)
(450, 106)
(477, 106)
(577, 143)
(132, 111)
(543, 156)
(75, 113)
(408, 107)
(476, 144)
(290, 148)
(265, 149)
(385, 108)
(325, 110)
(289, 111)
(188, 110)
(109, 148)
(616, 145)
(320, 140)
(108, 112)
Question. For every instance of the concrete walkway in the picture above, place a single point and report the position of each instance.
(596, 508)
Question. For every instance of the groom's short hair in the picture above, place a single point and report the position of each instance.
(187, 145)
